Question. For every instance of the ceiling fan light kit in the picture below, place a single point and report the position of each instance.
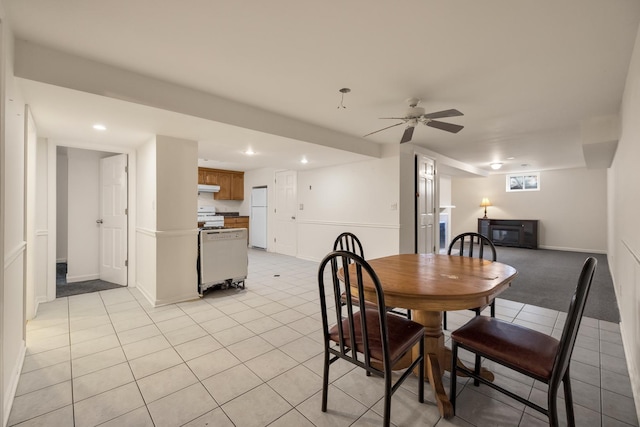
(415, 115)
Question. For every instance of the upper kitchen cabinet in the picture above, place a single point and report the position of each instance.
(231, 183)
(207, 176)
(237, 186)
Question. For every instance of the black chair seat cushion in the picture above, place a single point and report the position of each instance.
(515, 346)
(402, 333)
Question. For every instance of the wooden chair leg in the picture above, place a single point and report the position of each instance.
(493, 308)
(453, 380)
(444, 320)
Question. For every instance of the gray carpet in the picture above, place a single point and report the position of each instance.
(64, 289)
(548, 279)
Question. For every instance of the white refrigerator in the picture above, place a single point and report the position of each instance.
(258, 218)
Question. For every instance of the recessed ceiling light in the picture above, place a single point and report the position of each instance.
(304, 160)
(511, 158)
(249, 152)
(100, 127)
(496, 165)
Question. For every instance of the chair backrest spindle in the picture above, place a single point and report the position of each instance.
(464, 239)
(348, 242)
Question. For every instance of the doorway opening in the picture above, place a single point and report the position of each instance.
(425, 205)
(91, 221)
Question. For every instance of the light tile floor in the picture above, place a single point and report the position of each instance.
(253, 357)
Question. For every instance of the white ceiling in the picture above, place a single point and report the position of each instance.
(525, 73)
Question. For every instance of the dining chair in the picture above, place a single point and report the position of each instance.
(349, 242)
(363, 335)
(525, 350)
(465, 246)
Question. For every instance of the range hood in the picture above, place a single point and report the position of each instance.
(202, 188)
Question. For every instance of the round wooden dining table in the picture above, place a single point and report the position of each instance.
(429, 284)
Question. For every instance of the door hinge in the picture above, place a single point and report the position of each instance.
(126, 169)
(126, 211)
(126, 263)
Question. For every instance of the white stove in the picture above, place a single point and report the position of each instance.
(207, 214)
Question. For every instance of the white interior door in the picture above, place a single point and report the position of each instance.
(113, 220)
(286, 231)
(425, 229)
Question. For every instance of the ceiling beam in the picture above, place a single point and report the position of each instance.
(39, 63)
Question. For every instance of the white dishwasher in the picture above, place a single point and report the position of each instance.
(222, 257)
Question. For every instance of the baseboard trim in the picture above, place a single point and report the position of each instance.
(39, 300)
(161, 302)
(83, 278)
(566, 249)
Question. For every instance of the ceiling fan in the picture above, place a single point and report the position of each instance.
(415, 115)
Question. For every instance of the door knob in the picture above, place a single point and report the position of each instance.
(293, 217)
(98, 221)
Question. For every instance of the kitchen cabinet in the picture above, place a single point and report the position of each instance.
(237, 186)
(224, 181)
(207, 176)
(237, 222)
(231, 183)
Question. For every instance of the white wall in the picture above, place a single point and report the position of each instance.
(177, 177)
(12, 217)
(41, 224)
(571, 207)
(31, 140)
(358, 197)
(225, 205)
(62, 204)
(166, 230)
(146, 219)
(623, 225)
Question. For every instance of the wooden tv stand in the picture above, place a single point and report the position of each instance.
(521, 233)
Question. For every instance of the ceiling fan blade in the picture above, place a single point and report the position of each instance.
(407, 135)
(380, 130)
(449, 127)
(444, 113)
